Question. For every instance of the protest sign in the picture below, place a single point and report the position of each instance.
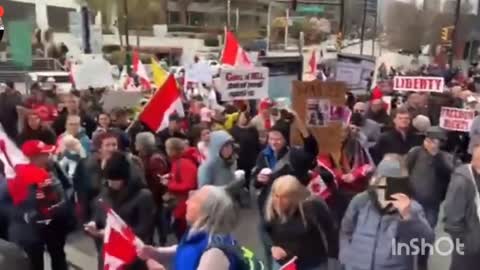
(92, 71)
(354, 70)
(321, 106)
(456, 119)
(418, 84)
(120, 99)
(243, 83)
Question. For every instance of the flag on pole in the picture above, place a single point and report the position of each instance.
(160, 75)
(290, 265)
(140, 70)
(167, 100)
(119, 244)
(10, 154)
(313, 63)
(233, 54)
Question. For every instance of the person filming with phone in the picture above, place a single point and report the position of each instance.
(382, 218)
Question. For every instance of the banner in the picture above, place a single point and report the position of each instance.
(418, 84)
(456, 119)
(92, 71)
(20, 39)
(243, 83)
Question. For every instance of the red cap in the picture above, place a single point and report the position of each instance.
(35, 147)
(376, 93)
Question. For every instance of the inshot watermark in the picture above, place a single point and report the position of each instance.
(443, 246)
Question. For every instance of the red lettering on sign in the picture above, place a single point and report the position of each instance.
(232, 77)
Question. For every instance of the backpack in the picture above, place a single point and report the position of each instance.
(240, 258)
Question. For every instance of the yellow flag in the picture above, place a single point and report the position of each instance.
(159, 74)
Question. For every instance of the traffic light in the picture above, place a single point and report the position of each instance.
(446, 34)
(339, 41)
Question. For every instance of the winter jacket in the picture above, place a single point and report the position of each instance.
(372, 130)
(392, 142)
(249, 147)
(461, 218)
(134, 204)
(311, 236)
(380, 117)
(429, 175)
(155, 164)
(291, 160)
(367, 236)
(215, 170)
(183, 179)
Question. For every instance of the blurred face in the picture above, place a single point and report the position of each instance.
(72, 104)
(402, 121)
(376, 106)
(194, 205)
(104, 120)
(227, 150)
(281, 201)
(115, 184)
(360, 108)
(205, 135)
(34, 121)
(109, 145)
(73, 125)
(276, 141)
(173, 125)
(41, 160)
(242, 120)
(431, 143)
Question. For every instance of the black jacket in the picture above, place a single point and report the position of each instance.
(290, 161)
(392, 142)
(249, 146)
(44, 134)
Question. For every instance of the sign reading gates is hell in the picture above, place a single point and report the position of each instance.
(418, 84)
(243, 83)
(456, 119)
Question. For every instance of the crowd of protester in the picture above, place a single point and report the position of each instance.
(191, 179)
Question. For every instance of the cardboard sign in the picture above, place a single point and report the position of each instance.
(243, 83)
(321, 106)
(418, 84)
(456, 119)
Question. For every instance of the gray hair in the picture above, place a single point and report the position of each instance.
(145, 140)
(220, 214)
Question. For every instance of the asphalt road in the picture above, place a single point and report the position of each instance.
(81, 251)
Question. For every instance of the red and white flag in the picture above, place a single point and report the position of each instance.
(167, 100)
(233, 54)
(290, 265)
(138, 69)
(119, 244)
(10, 154)
(312, 63)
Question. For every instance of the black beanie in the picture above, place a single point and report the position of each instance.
(283, 127)
(117, 167)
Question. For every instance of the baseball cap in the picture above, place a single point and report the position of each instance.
(436, 133)
(35, 147)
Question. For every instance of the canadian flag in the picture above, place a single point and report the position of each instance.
(119, 244)
(140, 70)
(10, 154)
(290, 265)
(167, 100)
(233, 54)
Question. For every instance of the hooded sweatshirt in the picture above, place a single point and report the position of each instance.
(216, 170)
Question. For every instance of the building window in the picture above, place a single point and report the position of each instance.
(173, 17)
(58, 18)
(197, 19)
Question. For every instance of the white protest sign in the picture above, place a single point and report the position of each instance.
(243, 83)
(92, 71)
(456, 119)
(120, 99)
(418, 84)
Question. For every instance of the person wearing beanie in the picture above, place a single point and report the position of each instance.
(430, 169)
(129, 198)
(369, 128)
(372, 221)
(378, 109)
(278, 158)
